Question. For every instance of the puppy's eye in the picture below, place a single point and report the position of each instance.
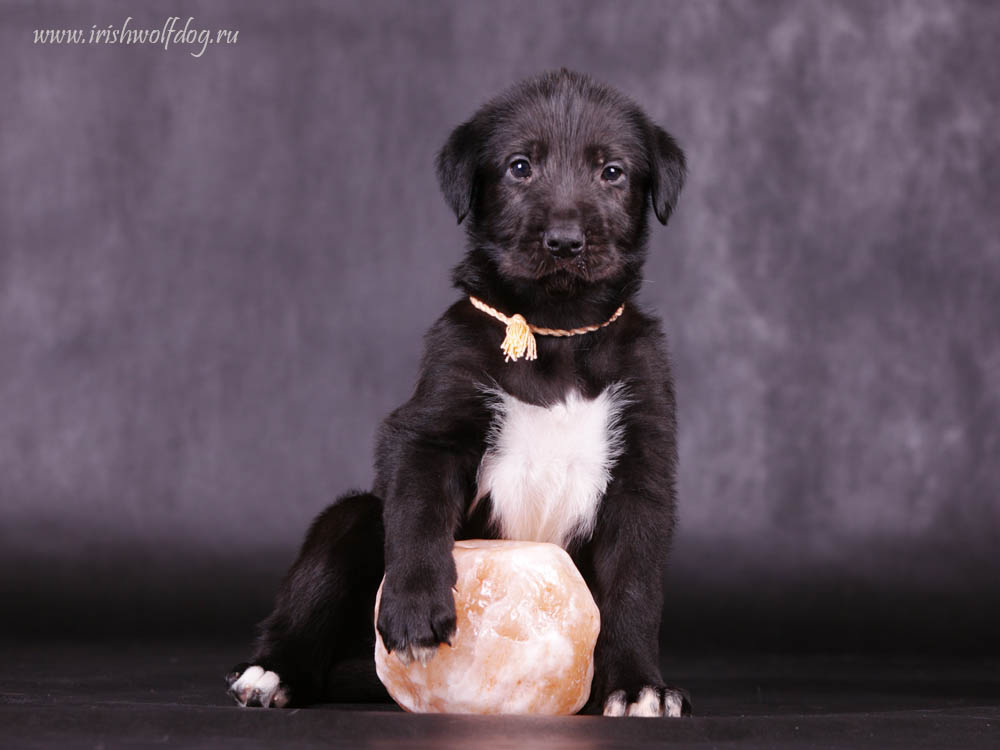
(612, 173)
(520, 168)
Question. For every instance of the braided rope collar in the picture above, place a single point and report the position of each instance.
(520, 339)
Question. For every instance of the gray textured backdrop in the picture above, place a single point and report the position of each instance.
(215, 273)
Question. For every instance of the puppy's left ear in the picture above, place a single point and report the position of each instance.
(456, 168)
(668, 170)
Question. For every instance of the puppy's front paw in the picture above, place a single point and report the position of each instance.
(413, 625)
(252, 685)
(648, 701)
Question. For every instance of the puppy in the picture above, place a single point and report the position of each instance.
(553, 180)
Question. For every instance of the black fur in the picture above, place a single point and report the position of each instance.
(568, 129)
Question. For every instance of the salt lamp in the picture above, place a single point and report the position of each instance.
(524, 644)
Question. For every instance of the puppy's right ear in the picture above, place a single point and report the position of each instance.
(456, 168)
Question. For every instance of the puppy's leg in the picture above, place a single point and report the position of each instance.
(627, 584)
(324, 609)
(624, 563)
(422, 512)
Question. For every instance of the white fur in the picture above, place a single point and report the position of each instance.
(546, 468)
(647, 704)
(256, 685)
(410, 654)
(672, 704)
(615, 704)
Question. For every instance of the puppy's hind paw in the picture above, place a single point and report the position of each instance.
(252, 685)
(649, 701)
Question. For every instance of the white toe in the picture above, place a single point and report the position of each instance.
(615, 704)
(424, 654)
(672, 704)
(410, 654)
(647, 704)
(257, 685)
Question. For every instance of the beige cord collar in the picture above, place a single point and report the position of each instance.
(520, 340)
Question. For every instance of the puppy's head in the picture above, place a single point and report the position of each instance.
(554, 179)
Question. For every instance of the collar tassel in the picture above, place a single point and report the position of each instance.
(519, 341)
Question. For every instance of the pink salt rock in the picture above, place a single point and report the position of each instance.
(526, 629)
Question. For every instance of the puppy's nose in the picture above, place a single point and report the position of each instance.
(564, 241)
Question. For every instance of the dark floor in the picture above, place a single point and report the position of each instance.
(171, 694)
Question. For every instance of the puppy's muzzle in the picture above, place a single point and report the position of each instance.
(564, 240)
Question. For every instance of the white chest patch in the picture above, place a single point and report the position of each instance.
(546, 468)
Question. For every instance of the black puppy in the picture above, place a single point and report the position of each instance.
(554, 179)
